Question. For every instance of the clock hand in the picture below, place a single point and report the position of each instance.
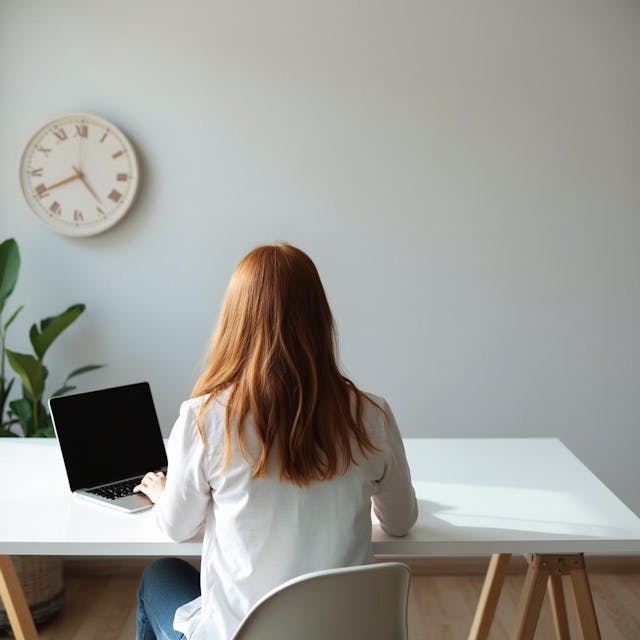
(65, 181)
(81, 176)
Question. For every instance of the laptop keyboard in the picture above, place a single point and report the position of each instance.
(117, 490)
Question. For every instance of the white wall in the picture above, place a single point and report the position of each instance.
(465, 174)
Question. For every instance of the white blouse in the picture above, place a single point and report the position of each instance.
(259, 533)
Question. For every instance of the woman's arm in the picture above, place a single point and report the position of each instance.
(394, 502)
(182, 508)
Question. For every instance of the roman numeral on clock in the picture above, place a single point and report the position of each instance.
(41, 191)
(61, 134)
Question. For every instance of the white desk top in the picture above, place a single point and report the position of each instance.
(477, 497)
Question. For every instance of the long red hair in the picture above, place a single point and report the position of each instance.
(274, 347)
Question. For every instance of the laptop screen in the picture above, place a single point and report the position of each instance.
(108, 435)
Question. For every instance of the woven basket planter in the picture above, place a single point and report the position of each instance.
(41, 578)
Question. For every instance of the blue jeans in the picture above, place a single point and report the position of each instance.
(166, 585)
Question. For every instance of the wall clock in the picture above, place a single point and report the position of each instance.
(79, 174)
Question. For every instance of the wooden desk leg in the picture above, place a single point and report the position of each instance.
(489, 597)
(531, 599)
(558, 608)
(15, 603)
(550, 567)
(583, 600)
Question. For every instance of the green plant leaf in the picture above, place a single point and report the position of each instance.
(23, 411)
(85, 369)
(51, 328)
(45, 432)
(4, 393)
(30, 371)
(25, 393)
(5, 433)
(14, 315)
(22, 408)
(9, 269)
(46, 429)
(62, 390)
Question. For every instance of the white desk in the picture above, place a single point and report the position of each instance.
(476, 496)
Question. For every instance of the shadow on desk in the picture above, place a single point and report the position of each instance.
(485, 521)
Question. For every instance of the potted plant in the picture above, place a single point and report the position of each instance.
(26, 415)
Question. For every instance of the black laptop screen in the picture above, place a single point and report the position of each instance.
(108, 435)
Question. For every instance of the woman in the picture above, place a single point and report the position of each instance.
(277, 456)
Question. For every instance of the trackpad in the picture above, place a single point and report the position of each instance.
(136, 501)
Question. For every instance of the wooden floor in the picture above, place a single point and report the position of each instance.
(440, 608)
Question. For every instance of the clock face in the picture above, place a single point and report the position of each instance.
(79, 174)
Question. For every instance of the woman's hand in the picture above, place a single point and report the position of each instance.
(152, 485)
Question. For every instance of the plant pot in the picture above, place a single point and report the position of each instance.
(41, 578)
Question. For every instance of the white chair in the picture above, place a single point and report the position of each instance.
(356, 603)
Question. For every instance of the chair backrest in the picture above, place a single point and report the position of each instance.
(355, 603)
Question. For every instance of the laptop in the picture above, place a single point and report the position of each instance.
(109, 440)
